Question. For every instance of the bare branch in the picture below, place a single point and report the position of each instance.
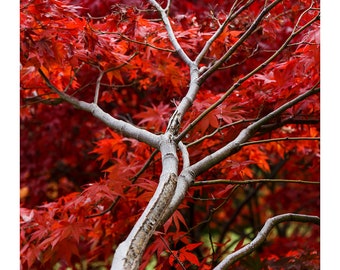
(124, 128)
(270, 127)
(167, 8)
(73, 77)
(290, 120)
(142, 43)
(186, 102)
(230, 17)
(96, 94)
(219, 129)
(241, 62)
(185, 155)
(101, 74)
(243, 79)
(131, 40)
(214, 210)
(171, 34)
(281, 139)
(173, 254)
(250, 30)
(129, 252)
(232, 147)
(262, 235)
(188, 175)
(254, 181)
(147, 163)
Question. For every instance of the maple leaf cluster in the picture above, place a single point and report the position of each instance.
(83, 186)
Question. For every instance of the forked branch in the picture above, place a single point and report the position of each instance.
(204, 76)
(188, 175)
(233, 48)
(171, 34)
(120, 126)
(232, 147)
(232, 15)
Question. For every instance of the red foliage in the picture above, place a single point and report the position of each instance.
(73, 167)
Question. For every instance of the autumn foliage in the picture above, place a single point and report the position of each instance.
(84, 185)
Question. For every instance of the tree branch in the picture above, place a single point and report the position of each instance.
(171, 34)
(144, 43)
(188, 175)
(218, 130)
(133, 180)
(243, 79)
(96, 93)
(262, 235)
(249, 31)
(102, 72)
(186, 102)
(185, 155)
(129, 252)
(230, 17)
(172, 253)
(120, 126)
(281, 139)
(232, 147)
(253, 181)
(290, 120)
(214, 210)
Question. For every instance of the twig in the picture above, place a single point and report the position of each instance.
(142, 43)
(213, 210)
(253, 181)
(173, 254)
(102, 72)
(130, 40)
(133, 180)
(167, 8)
(233, 48)
(230, 17)
(240, 62)
(96, 94)
(72, 78)
(218, 130)
(281, 139)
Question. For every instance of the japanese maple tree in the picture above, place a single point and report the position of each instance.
(170, 134)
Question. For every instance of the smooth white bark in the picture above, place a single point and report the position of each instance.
(173, 186)
(262, 235)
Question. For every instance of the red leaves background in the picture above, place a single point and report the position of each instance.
(73, 167)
